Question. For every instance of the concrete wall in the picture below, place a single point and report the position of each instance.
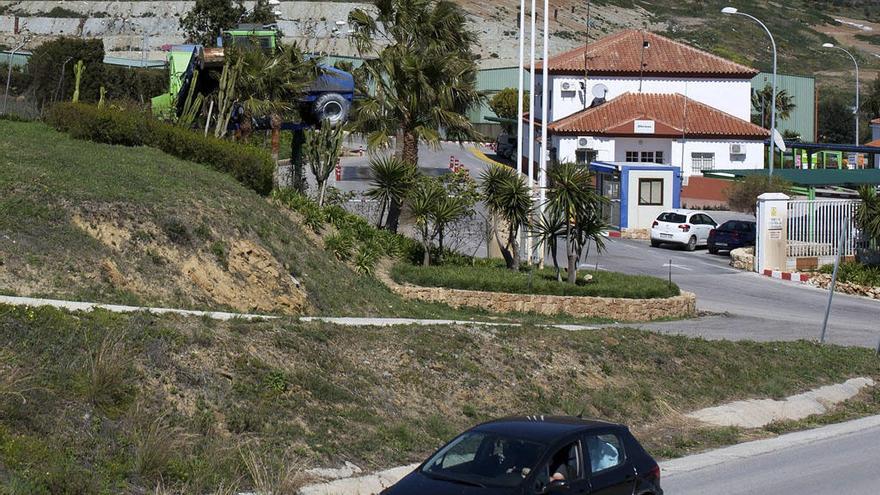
(730, 96)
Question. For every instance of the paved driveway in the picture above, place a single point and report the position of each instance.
(746, 305)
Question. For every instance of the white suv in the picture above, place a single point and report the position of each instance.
(686, 228)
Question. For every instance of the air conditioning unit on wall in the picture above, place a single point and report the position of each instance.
(583, 142)
(736, 149)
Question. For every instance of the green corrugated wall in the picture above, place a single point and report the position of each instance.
(803, 90)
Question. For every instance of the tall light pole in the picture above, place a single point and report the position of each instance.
(545, 117)
(520, 98)
(9, 72)
(734, 11)
(831, 45)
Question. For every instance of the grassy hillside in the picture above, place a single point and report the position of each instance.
(103, 403)
(103, 223)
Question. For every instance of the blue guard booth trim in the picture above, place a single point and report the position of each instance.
(624, 169)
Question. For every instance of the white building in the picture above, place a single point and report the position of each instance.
(636, 96)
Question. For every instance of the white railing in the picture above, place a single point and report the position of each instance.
(815, 227)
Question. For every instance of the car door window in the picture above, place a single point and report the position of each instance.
(566, 464)
(605, 452)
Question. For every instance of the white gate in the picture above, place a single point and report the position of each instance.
(815, 227)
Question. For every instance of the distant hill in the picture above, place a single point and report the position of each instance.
(800, 28)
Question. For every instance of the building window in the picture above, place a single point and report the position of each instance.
(650, 192)
(585, 156)
(652, 157)
(703, 161)
(632, 156)
(568, 94)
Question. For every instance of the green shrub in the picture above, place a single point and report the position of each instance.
(856, 273)
(251, 166)
(495, 278)
(340, 245)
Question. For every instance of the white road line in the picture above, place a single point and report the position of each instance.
(673, 265)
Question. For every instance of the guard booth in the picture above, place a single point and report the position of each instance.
(636, 192)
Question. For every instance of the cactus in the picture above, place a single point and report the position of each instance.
(78, 70)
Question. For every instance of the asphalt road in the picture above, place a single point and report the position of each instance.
(848, 464)
(745, 305)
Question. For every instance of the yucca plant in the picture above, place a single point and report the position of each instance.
(572, 197)
(508, 199)
(392, 179)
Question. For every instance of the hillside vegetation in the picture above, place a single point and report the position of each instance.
(108, 403)
(132, 225)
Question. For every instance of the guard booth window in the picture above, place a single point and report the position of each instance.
(585, 157)
(650, 192)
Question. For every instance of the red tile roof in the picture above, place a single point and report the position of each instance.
(616, 118)
(621, 54)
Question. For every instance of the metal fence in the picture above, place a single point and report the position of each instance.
(815, 227)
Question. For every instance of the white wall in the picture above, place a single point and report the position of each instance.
(732, 96)
(568, 145)
(641, 217)
(753, 158)
(614, 150)
(623, 145)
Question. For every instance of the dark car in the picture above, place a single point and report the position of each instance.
(535, 455)
(731, 235)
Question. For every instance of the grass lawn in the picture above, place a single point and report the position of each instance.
(496, 278)
(108, 403)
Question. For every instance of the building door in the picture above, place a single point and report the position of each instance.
(610, 189)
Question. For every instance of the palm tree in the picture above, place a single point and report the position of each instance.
(508, 198)
(423, 77)
(572, 197)
(270, 85)
(761, 105)
(392, 179)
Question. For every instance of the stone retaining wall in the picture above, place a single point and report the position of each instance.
(823, 280)
(613, 308)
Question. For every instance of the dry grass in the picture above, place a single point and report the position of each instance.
(15, 381)
(271, 476)
(107, 369)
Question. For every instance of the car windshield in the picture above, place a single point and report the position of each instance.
(672, 217)
(484, 459)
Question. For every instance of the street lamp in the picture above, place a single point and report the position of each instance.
(734, 11)
(831, 45)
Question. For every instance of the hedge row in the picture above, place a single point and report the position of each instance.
(251, 166)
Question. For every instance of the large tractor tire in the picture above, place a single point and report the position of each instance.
(332, 107)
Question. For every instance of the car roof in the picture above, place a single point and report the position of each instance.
(542, 429)
(682, 211)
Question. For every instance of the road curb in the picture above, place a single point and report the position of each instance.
(760, 447)
(792, 276)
